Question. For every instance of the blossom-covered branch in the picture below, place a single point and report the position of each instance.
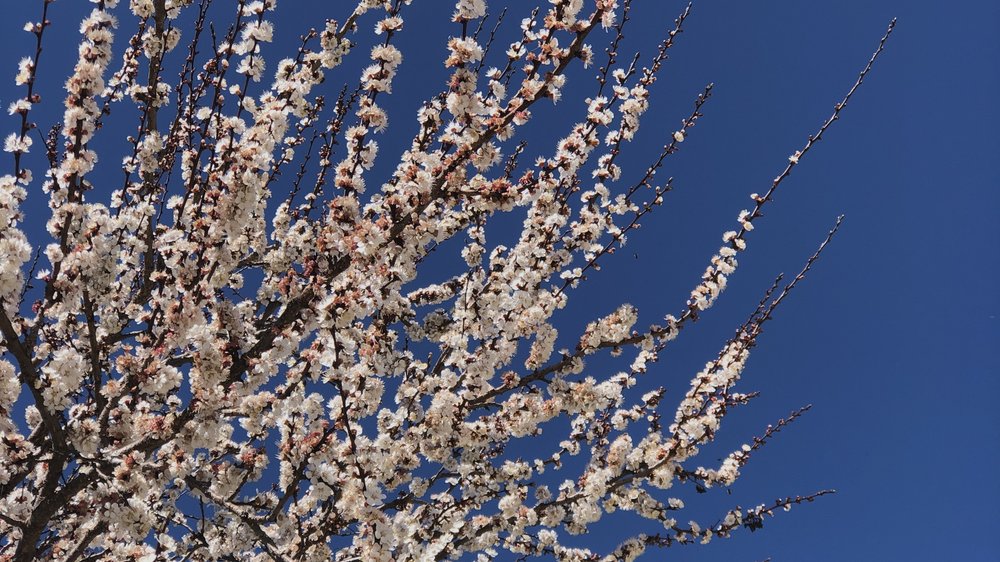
(235, 350)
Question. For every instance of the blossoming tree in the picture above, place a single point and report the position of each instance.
(231, 355)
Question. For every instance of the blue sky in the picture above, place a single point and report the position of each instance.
(894, 338)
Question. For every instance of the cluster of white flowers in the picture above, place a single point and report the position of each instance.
(612, 328)
(467, 10)
(698, 416)
(87, 80)
(716, 275)
(14, 247)
(375, 79)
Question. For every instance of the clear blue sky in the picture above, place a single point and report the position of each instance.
(895, 336)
